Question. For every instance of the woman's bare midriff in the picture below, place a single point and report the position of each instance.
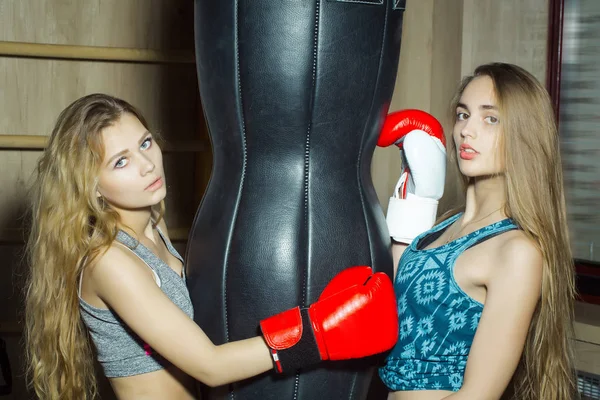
(420, 395)
(170, 383)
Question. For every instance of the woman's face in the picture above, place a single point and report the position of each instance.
(131, 174)
(477, 130)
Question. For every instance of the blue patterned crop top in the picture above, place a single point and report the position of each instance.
(437, 319)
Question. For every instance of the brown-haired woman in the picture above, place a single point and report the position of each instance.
(485, 298)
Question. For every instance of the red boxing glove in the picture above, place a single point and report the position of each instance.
(398, 124)
(413, 206)
(354, 317)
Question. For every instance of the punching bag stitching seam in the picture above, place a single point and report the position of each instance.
(307, 163)
(240, 111)
(308, 137)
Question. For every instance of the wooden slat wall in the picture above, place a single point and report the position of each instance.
(151, 24)
(514, 31)
(34, 90)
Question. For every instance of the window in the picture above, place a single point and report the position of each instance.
(577, 78)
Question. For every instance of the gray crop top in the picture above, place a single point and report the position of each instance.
(120, 351)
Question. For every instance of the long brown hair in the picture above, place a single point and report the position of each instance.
(69, 224)
(535, 201)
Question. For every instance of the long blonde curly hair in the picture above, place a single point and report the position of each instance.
(536, 202)
(69, 225)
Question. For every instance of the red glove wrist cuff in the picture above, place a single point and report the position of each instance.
(291, 340)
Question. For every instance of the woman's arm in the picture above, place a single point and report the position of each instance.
(126, 287)
(354, 308)
(513, 292)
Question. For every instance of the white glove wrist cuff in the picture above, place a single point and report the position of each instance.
(408, 218)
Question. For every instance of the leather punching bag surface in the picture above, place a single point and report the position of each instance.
(294, 93)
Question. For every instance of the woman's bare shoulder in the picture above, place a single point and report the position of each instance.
(517, 243)
(519, 255)
(114, 259)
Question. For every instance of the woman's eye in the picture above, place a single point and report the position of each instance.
(146, 144)
(461, 116)
(491, 120)
(121, 162)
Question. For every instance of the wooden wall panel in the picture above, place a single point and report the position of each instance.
(154, 24)
(34, 91)
(514, 31)
(413, 82)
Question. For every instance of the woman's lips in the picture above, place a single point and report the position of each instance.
(157, 184)
(466, 152)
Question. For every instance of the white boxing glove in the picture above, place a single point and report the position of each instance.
(413, 206)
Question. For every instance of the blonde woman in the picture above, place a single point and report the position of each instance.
(102, 263)
(485, 297)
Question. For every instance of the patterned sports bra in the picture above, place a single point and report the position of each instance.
(437, 318)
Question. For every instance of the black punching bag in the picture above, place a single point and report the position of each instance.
(294, 93)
